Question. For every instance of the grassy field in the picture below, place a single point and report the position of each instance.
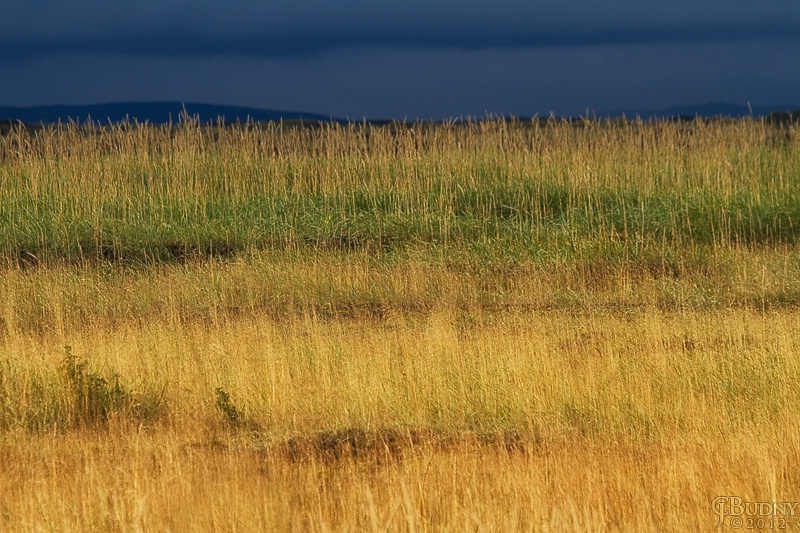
(490, 326)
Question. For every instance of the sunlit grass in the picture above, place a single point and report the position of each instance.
(486, 326)
(143, 195)
(467, 412)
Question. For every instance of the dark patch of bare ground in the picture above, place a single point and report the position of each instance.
(180, 253)
(24, 258)
(375, 446)
(390, 445)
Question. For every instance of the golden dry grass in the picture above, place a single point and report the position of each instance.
(486, 327)
(80, 483)
(543, 421)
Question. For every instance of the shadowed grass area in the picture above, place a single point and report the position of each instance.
(339, 285)
(525, 222)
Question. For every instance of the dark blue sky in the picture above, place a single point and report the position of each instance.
(415, 59)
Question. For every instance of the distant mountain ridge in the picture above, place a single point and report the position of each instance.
(152, 112)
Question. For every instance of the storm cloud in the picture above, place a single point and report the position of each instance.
(410, 59)
(181, 28)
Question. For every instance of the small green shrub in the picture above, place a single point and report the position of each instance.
(227, 408)
(95, 399)
(72, 397)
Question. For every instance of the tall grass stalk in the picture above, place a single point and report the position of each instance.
(141, 194)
